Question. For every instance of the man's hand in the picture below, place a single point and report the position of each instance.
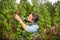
(17, 17)
(16, 13)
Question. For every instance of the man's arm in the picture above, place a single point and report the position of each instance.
(20, 21)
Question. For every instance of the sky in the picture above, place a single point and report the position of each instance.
(53, 1)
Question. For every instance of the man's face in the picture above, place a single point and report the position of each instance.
(29, 18)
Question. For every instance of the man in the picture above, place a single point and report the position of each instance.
(32, 27)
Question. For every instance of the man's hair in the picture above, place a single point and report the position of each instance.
(35, 16)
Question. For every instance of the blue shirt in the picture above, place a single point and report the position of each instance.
(32, 28)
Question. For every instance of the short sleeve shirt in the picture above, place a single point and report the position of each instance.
(32, 28)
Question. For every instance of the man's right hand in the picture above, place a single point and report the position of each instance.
(17, 17)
